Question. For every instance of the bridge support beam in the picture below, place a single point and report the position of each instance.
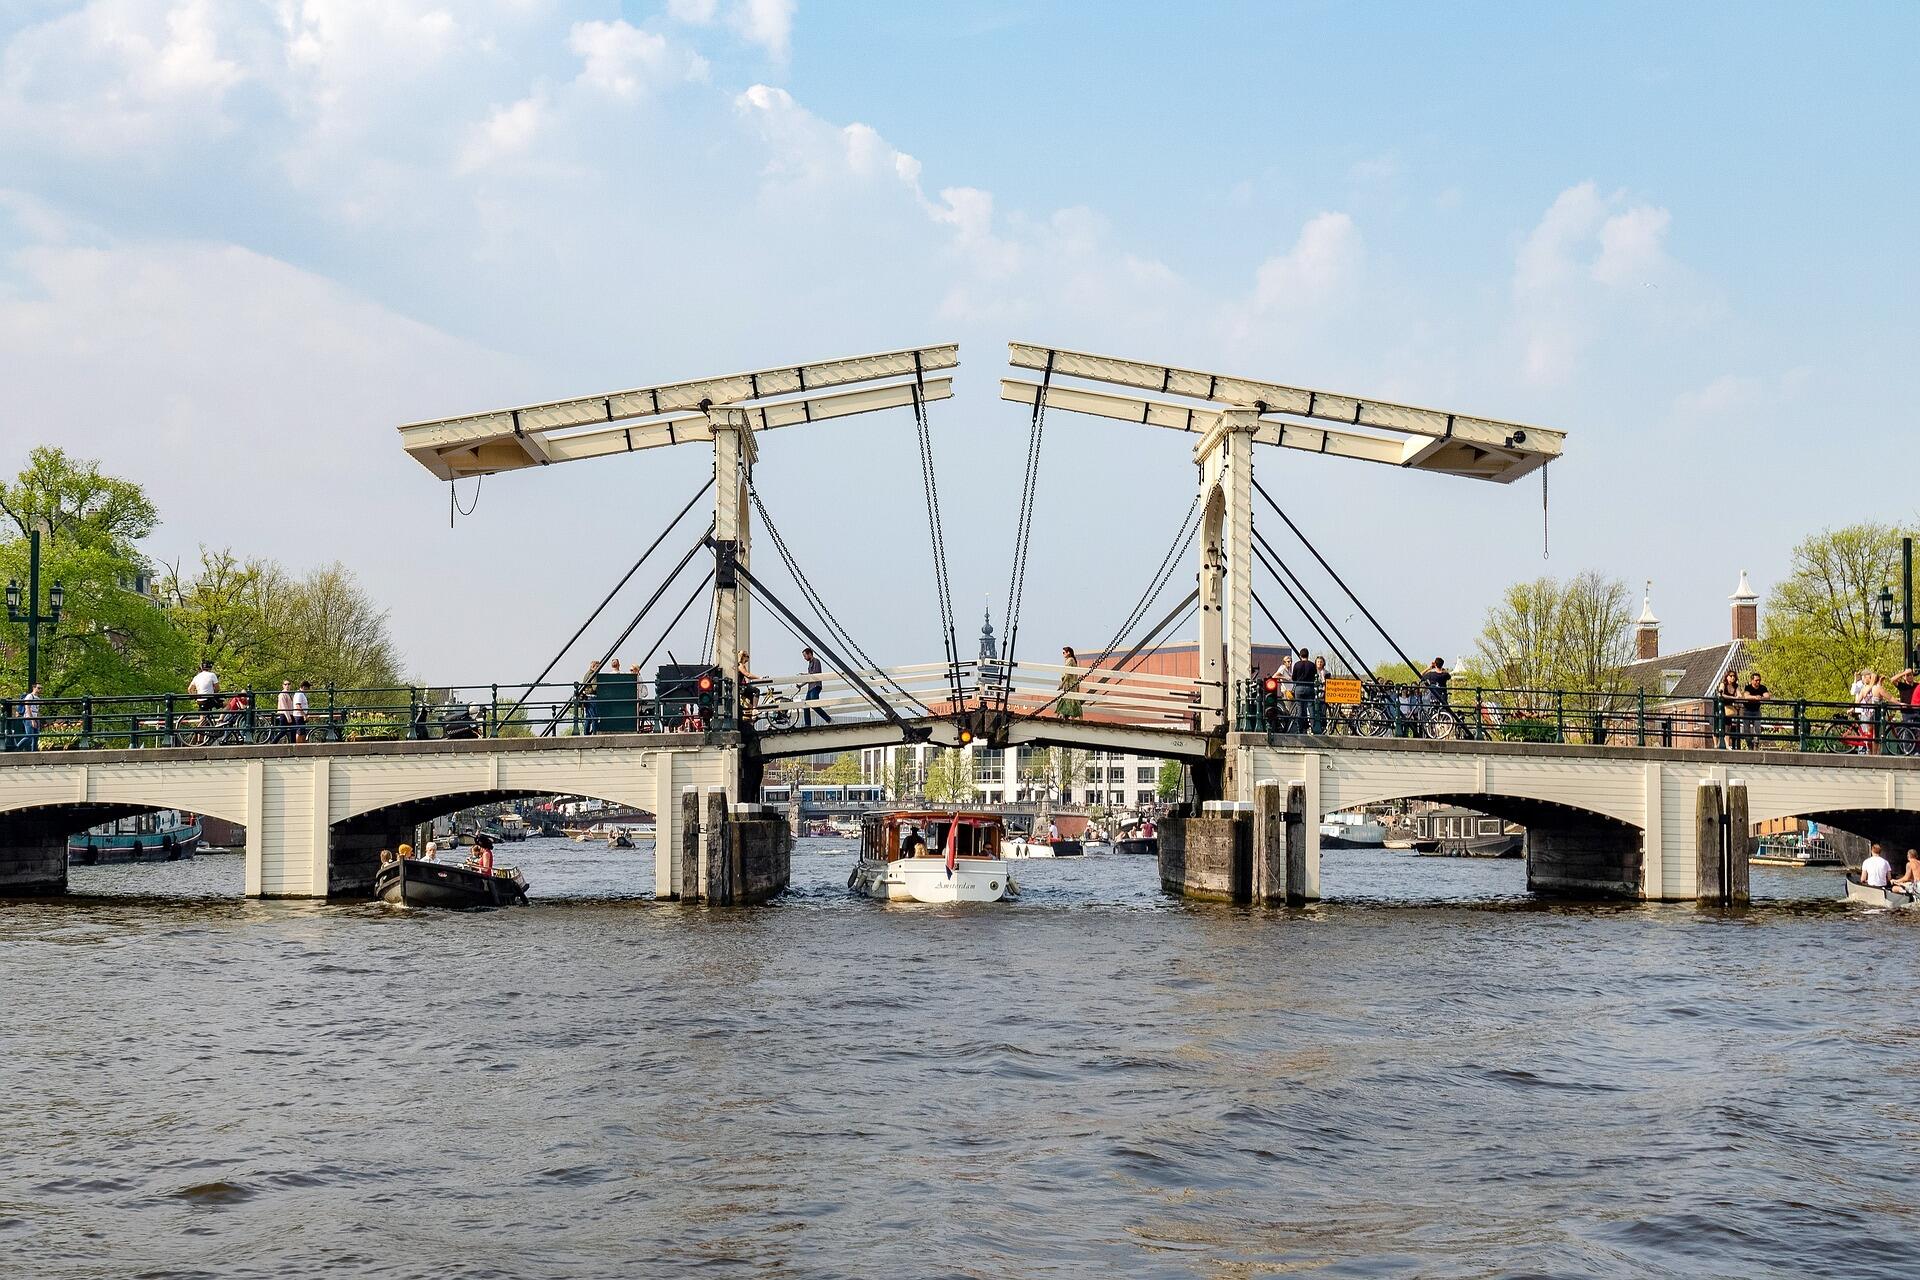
(1210, 857)
(733, 456)
(1225, 455)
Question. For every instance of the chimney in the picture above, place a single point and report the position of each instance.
(1746, 610)
(1646, 632)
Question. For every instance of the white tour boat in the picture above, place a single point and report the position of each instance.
(904, 857)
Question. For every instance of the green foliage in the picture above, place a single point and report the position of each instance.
(844, 771)
(1526, 729)
(1822, 622)
(1549, 634)
(900, 775)
(254, 621)
(1168, 784)
(110, 638)
(949, 777)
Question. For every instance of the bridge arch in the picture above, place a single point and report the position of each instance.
(1570, 850)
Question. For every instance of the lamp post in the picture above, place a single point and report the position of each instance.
(1907, 623)
(31, 615)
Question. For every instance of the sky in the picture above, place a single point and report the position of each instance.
(240, 243)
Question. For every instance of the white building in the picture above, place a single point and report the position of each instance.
(1012, 775)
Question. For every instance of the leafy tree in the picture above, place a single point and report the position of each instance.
(221, 614)
(1168, 786)
(949, 777)
(1548, 634)
(1822, 623)
(112, 637)
(844, 771)
(326, 629)
(1065, 767)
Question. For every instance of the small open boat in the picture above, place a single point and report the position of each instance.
(1867, 895)
(1148, 846)
(416, 883)
(903, 855)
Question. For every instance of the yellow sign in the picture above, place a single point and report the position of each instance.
(1343, 693)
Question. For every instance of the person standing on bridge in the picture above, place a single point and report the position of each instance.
(30, 720)
(812, 694)
(1070, 708)
(1753, 694)
(1302, 673)
(1320, 694)
(298, 720)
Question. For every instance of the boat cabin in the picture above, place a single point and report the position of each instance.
(887, 837)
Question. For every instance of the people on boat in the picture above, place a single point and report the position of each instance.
(405, 851)
(1053, 831)
(1910, 878)
(431, 853)
(1876, 872)
(482, 860)
(912, 844)
(386, 857)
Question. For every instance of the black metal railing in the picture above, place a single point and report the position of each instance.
(1628, 717)
(416, 712)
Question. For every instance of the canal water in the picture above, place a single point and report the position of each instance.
(1427, 1075)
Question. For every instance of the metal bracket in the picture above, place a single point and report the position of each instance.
(726, 563)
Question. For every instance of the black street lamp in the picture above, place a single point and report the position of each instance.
(1907, 624)
(31, 615)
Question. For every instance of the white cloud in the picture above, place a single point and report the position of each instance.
(1325, 258)
(767, 23)
(625, 61)
(1584, 268)
(117, 75)
(696, 12)
(509, 132)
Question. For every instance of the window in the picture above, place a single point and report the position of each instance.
(1489, 826)
(1146, 773)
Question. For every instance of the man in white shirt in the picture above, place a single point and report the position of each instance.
(298, 717)
(206, 687)
(1876, 871)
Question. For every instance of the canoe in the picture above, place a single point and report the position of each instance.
(1867, 895)
(414, 883)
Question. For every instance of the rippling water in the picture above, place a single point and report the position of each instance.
(1095, 1081)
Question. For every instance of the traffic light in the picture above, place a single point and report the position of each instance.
(1270, 704)
(707, 694)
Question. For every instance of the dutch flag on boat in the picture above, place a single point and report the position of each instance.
(953, 846)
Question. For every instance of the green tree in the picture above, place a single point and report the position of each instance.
(328, 630)
(844, 771)
(112, 637)
(1822, 623)
(220, 611)
(949, 777)
(1168, 787)
(1549, 634)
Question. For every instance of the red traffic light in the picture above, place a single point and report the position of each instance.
(706, 684)
(1271, 684)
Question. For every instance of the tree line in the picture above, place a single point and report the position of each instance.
(1818, 627)
(132, 625)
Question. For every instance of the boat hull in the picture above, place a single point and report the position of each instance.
(926, 880)
(413, 883)
(1867, 896)
(1042, 849)
(1139, 846)
(106, 851)
(1336, 841)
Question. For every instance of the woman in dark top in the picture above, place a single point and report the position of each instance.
(1729, 701)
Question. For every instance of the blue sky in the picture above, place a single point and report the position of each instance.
(239, 243)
